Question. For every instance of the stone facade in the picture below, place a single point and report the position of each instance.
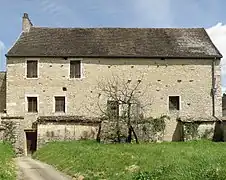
(2, 92)
(190, 79)
(160, 79)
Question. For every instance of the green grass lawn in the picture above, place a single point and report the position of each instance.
(197, 160)
(7, 166)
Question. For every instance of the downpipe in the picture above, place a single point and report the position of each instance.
(213, 89)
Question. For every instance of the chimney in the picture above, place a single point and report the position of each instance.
(26, 23)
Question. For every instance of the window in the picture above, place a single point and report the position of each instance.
(59, 104)
(113, 108)
(32, 69)
(32, 104)
(75, 69)
(174, 103)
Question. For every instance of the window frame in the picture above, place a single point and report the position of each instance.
(118, 107)
(179, 103)
(26, 103)
(65, 105)
(81, 69)
(31, 59)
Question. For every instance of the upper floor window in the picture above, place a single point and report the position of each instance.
(32, 104)
(32, 69)
(75, 69)
(60, 104)
(174, 103)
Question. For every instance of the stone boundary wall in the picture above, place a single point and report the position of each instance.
(145, 132)
(14, 133)
(58, 131)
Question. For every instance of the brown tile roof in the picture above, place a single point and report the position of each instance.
(69, 119)
(12, 117)
(115, 42)
(189, 119)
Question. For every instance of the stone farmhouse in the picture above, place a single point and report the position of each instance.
(49, 90)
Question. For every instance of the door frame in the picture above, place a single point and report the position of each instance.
(26, 131)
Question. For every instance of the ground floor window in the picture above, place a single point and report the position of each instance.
(174, 103)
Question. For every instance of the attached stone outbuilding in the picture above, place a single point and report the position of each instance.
(65, 128)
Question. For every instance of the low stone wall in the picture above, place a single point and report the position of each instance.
(186, 130)
(198, 130)
(146, 131)
(13, 133)
(55, 131)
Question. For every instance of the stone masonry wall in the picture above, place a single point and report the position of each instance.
(198, 130)
(58, 132)
(190, 79)
(14, 133)
(2, 91)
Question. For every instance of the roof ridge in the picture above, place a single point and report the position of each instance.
(207, 35)
(179, 28)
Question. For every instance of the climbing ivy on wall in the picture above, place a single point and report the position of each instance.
(190, 130)
(9, 133)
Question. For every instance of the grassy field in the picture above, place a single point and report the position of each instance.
(197, 160)
(7, 167)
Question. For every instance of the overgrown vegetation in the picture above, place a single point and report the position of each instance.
(191, 130)
(7, 167)
(164, 161)
(125, 104)
(9, 135)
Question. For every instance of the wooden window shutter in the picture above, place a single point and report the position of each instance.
(75, 69)
(59, 104)
(32, 69)
(32, 104)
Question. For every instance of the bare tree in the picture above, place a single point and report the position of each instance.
(123, 97)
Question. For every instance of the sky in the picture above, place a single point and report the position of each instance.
(209, 14)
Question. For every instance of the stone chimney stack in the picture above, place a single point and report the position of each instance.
(26, 23)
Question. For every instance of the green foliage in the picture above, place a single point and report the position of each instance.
(191, 160)
(142, 176)
(191, 129)
(163, 173)
(159, 124)
(9, 135)
(7, 167)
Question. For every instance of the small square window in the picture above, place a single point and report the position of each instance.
(75, 69)
(32, 69)
(174, 103)
(113, 108)
(59, 104)
(32, 104)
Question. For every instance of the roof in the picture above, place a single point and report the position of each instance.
(115, 42)
(67, 119)
(12, 117)
(190, 119)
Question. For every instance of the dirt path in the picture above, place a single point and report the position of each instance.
(30, 169)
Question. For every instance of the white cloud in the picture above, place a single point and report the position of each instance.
(217, 34)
